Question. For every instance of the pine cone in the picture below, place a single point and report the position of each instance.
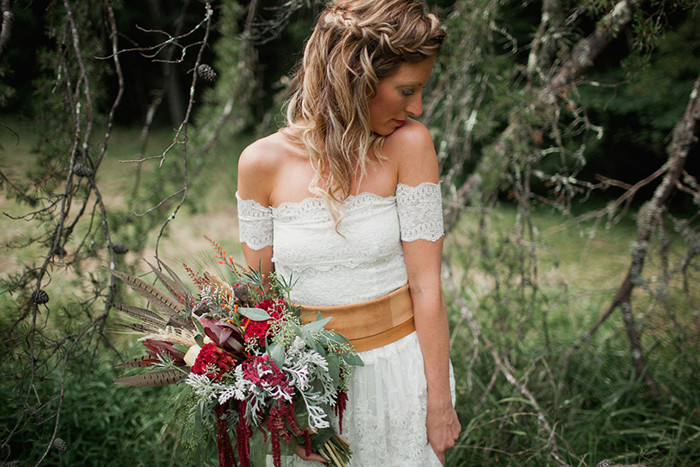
(206, 72)
(32, 413)
(60, 445)
(241, 292)
(119, 248)
(40, 297)
(82, 170)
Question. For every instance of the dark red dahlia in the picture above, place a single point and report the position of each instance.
(213, 362)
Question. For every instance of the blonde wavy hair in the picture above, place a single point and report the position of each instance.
(355, 44)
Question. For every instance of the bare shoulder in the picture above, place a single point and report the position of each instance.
(262, 155)
(258, 166)
(412, 149)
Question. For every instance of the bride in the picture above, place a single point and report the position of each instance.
(346, 200)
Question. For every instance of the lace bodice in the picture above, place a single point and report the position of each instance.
(362, 261)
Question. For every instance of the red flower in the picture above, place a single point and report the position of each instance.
(262, 371)
(258, 330)
(213, 362)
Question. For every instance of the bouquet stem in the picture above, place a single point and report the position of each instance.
(336, 451)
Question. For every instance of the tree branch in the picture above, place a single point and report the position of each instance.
(588, 49)
(685, 135)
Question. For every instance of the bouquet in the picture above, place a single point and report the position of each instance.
(251, 364)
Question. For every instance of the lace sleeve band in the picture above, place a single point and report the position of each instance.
(254, 224)
(420, 212)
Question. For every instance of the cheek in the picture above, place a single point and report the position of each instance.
(384, 104)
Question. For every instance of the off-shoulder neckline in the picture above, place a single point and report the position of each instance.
(351, 198)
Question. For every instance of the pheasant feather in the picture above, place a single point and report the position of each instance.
(137, 362)
(140, 328)
(147, 316)
(156, 378)
(175, 287)
(175, 277)
(160, 301)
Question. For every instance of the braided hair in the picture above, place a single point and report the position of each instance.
(354, 45)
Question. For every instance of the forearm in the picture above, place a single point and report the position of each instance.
(433, 335)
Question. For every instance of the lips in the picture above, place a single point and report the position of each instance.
(399, 122)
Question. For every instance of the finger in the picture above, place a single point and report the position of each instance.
(301, 452)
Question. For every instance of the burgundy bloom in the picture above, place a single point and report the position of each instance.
(210, 357)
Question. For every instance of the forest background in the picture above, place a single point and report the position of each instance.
(567, 137)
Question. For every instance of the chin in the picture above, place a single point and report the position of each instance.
(386, 131)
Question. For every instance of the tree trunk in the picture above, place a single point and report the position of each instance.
(6, 25)
(172, 86)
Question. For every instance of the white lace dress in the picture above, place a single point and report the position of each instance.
(385, 416)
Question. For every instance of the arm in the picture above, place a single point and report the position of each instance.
(423, 260)
(417, 163)
(255, 173)
(257, 169)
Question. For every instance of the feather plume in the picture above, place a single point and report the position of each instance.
(156, 378)
(175, 287)
(147, 316)
(140, 328)
(172, 334)
(160, 301)
(175, 277)
(137, 362)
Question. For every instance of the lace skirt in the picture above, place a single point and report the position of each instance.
(385, 417)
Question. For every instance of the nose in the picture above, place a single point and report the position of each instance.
(415, 105)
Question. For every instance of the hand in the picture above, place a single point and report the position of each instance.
(301, 452)
(443, 427)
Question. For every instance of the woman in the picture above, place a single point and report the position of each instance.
(346, 201)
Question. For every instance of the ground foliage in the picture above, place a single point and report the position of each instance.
(543, 105)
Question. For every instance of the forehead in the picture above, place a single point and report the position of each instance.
(412, 73)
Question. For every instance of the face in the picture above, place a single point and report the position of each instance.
(399, 96)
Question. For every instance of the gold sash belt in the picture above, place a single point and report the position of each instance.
(371, 324)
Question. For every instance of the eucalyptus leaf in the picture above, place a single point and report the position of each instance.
(334, 368)
(256, 314)
(276, 352)
(337, 338)
(351, 358)
(317, 325)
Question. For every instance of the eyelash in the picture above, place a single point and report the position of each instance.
(408, 92)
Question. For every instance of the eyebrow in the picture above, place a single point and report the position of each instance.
(415, 83)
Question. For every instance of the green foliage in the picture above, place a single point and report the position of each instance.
(101, 423)
(531, 298)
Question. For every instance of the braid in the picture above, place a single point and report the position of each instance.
(354, 45)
